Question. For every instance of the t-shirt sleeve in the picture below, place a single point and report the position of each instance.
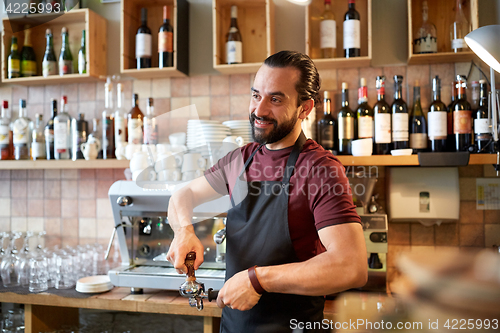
(224, 173)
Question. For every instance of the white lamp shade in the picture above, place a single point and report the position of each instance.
(485, 43)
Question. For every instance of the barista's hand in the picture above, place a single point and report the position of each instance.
(184, 242)
(238, 293)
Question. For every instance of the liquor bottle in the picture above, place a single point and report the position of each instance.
(364, 113)
(62, 133)
(134, 122)
(166, 41)
(49, 63)
(79, 132)
(399, 116)
(462, 118)
(120, 118)
(13, 61)
(22, 133)
(96, 135)
(65, 57)
(49, 132)
(352, 32)
(108, 123)
(382, 113)
(234, 44)
(418, 124)
(328, 32)
(28, 58)
(482, 126)
(426, 41)
(143, 45)
(82, 56)
(347, 123)
(38, 139)
(5, 136)
(327, 126)
(459, 29)
(150, 126)
(450, 139)
(437, 118)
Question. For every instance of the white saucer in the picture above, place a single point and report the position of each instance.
(94, 284)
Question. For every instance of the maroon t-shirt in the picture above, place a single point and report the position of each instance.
(320, 195)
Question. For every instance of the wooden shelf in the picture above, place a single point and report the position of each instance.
(442, 15)
(131, 20)
(256, 24)
(389, 160)
(342, 62)
(75, 21)
(64, 164)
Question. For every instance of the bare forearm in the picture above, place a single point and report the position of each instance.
(180, 213)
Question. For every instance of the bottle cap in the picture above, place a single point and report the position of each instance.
(150, 101)
(64, 30)
(64, 99)
(5, 104)
(417, 84)
(22, 103)
(482, 81)
(362, 82)
(326, 95)
(344, 86)
(144, 14)
(48, 32)
(234, 12)
(81, 116)
(136, 96)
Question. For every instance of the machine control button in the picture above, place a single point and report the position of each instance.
(124, 201)
(378, 237)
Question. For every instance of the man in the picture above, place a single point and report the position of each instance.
(292, 236)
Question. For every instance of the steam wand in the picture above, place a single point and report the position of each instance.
(194, 290)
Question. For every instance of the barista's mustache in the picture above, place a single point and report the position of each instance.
(253, 117)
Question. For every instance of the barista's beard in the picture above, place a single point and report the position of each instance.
(277, 133)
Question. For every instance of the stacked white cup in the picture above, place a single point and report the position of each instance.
(140, 167)
(167, 166)
(193, 165)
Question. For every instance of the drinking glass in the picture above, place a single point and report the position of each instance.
(9, 268)
(64, 271)
(39, 275)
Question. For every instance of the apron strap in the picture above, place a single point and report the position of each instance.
(292, 159)
(249, 160)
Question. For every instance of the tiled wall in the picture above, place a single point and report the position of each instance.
(71, 205)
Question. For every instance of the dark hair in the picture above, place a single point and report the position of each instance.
(309, 82)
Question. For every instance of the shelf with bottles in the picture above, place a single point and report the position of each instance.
(441, 14)
(75, 21)
(389, 160)
(315, 11)
(63, 164)
(255, 22)
(178, 15)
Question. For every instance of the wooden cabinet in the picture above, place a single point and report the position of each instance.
(130, 22)
(442, 15)
(256, 25)
(75, 21)
(313, 13)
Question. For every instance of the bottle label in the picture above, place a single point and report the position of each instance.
(346, 127)
(437, 125)
(352, 34)
(29, 67)
(49, 68)
(14, 66)
(458, 43)
(49, 135)
(425, 45)
(328, 34)
(20, 131)
(119, 129)
(166, 41)
(400, 127)
(365, 127)
(4, 134)
(327, 136)
(61, 137)
(418, 140)
(135, 134)
(482, 126)
(82, 63)
(382, 128)
(38, 150)
(462, 122)
(143, 46)
(65, 67)
(234, 52)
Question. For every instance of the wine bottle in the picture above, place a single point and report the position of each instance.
(82, 56)
(62, 133)
(120, 118)
(143, 46)
(38, 139)
(382, 113)
(79, 132)
(13, 61)
(5, 153)
(28, 57)
(346, 120)
(166, 41)
(399, 116)
(352, 32)
(234, 43)
(459, 29)
(437, 118)
(49, 132)
(49, 63)
(450, 139)
(65, 57)
(328, 32)
(327, 125)
(150, 126)
(418, 124)
(426, 41)
(22, 133)
(364, 112)
(108, 123)
(482, 125)
(462, 118)
(135, 123)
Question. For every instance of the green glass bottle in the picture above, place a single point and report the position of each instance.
(49, 63)
(82, 56)
(13, 60)
(28, 57)
(65, 57)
